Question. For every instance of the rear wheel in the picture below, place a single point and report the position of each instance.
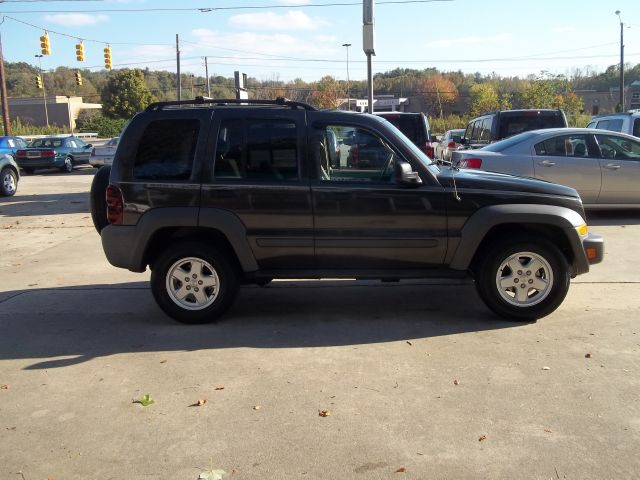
(194, 283)
(67, 166)
(523, 281)
(8, 182)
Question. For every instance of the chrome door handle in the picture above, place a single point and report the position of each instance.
(612, 166)
(547, 163)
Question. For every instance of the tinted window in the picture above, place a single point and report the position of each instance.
(413, 126)
(166, 150)
(257, 150)
(618, 147)
(512, 124)
(485, 130)
(508, 142)
(636, 127)
(613, 124)
(564, 146)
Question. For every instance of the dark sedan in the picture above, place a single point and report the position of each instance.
(54, 152)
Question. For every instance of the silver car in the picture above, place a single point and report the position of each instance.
(603, 166)
(450, 142)
(103, 155)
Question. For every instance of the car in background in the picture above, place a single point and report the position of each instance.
(449, 142)
(54, 152)
(603, 166)
(415, 127)
(624, 122)
(9, 145)
(496, 126)
(9, 175)
(103, 155)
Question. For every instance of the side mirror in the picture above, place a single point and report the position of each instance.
(88, 145)
(405, 175)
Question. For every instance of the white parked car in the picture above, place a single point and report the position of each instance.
(104, 155)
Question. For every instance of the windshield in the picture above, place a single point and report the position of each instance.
(508, 142)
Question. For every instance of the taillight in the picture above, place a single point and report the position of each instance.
(21, 154)
(471, 163)
(115, 205)
(428, 149)
(48, 153)
(451, 144)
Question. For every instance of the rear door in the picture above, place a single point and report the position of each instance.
(572, 160)
(620, 164)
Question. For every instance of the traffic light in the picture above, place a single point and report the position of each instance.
(78, 78)
(107, 58)
(45, 45)
(38, 81)
(80, 52)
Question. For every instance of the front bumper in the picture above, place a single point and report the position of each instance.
(593, 246)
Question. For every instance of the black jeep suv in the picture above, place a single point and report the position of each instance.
(211, 194)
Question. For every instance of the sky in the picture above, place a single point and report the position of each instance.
(288, 39)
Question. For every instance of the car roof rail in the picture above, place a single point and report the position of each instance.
(280, 101)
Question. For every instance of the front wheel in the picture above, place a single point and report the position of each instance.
(523, 281)
(67, 166)
(194, 283)
(8, 182)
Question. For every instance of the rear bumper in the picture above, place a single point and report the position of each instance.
(41, 162)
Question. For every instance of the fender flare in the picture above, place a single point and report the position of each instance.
(482, 221)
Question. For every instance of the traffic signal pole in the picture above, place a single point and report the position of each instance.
(3, 93)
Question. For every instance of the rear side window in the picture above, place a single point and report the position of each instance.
(514, 124)
(614, 124)
(166, 150)
(564, 146)
(636, 127)
(257, 150)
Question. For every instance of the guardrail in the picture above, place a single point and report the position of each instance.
(79, 135)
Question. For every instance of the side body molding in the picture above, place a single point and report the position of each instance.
(231, 227)
(482, 221)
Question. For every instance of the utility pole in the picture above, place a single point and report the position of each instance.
(368, 41)
(621, 61)
(44, 90)
(179, 80)
(3, 93)
(347, 45)
(206, 72)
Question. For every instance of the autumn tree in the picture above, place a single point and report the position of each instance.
(328, 93)
(125, 93)
(437, 90)
(483, 98)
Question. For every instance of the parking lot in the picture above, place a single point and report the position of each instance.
(418, 379)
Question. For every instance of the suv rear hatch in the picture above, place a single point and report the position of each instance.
(514, 122)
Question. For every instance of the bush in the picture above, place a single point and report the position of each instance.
(92, 121)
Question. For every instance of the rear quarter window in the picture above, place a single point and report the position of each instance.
(166, 150)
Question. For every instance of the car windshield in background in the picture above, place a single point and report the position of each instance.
(113, 142)
(508, 142)
(512, 124)
(46, 143)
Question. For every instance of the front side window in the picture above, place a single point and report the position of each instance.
(166, 150)
(618, 147)
(257, 150)
(564, 146)
(636, 127)
(359, 156)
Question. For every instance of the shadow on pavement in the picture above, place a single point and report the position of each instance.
(613, 217)
(45, 204)
(71, 325)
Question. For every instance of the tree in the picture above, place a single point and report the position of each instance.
(538, 94)
(484, 98)
(328, 93)
(125, 93)
(437, 90)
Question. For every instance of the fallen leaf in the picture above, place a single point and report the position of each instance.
(546, 368)
(212, 475)
(482, 438)
(401, 470)
(11, 428)
(588, 355)
(409, 342)
(257, 407)
(4, 386)
(219, 388)
(145, 401)
(199, 403)
(456, 382)
(547, 430)
(163, 361)
(324, 413)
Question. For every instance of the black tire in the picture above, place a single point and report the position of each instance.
(98, 198)
(532, 303)
(214, 301)
(8, 182)
(29, 170)
(67, 166)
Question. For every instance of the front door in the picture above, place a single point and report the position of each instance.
(620, 164)
(363, 219)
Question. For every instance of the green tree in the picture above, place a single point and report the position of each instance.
(125, 93)
(483, 98)
(538, 94)
(328, 93)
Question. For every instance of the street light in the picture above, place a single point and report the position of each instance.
(44, 94)
(621, 61)
(347, 45)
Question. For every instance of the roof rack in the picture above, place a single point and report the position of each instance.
(280, 101)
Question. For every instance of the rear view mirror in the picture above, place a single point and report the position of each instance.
(405, 175)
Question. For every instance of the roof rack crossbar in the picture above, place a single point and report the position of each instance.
(227, 101)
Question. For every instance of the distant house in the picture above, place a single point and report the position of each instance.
(62, 111)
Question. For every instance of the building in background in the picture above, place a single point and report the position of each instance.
(62, 111)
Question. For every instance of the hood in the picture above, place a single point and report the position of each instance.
(483, 180)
